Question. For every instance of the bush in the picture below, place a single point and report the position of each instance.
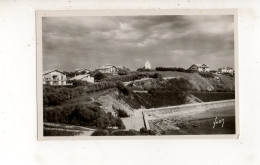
(99, 76)
(206, 74)
(144, 131)
(99, 133)
(122, 88)
(123, 71)
(121, 113)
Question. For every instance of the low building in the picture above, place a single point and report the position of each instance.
(54, 77)
(226, 70)
(84, 77)
(199, 68)
(120, 67)
(147, 65)
(108, 68)
(82, 70)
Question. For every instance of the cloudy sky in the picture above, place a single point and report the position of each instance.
(76, 42)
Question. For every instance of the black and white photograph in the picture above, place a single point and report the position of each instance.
(137, 75)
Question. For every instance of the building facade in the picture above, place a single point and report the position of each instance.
(199, 67)
(108, 68)
(54, 77)
(226, 70)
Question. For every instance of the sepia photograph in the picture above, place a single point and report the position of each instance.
(139, 74)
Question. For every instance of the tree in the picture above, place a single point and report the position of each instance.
(99, 76)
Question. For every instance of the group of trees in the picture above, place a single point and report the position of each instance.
(178, 69)
(83, 115)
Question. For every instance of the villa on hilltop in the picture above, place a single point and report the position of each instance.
(199, 68)
(81, 70)
(226, 70)
(54, 77)
(108, 68)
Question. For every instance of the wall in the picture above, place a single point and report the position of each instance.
(183, 109)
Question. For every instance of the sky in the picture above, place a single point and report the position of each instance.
(173, 41)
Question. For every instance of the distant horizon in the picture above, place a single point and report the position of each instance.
(71, 43)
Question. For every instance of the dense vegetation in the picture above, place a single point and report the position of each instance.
(83, 115)
(178, 69)
(121, 113)
(59, 133)
(53, 96)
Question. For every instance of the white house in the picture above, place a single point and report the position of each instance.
(82, 69)
(226, 70)
(108, 68)
(199, 67)
(54, 77)
(84, 77)
(147, 65)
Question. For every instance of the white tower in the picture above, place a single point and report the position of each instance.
(147, 65)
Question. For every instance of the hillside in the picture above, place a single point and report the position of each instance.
(199, 83)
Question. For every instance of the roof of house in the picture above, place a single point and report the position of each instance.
(81, 69)
(106, 66)
(49, 71)
(200, 65)
(226, 68)
(120, 67)
(79, 77)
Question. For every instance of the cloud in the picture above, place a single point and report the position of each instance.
(74, 42)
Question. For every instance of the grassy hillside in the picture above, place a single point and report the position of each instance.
(199, 83)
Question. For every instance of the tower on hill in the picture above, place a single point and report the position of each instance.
(147, 65)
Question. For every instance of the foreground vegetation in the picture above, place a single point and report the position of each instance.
(83, 115)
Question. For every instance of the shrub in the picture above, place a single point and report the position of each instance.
(206, 74)
(144, 131)
(99, 76)
(121, 113)
(99, 133)
(122, 88)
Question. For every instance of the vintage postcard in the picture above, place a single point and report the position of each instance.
(137, 73)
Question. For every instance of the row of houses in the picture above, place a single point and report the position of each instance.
(55, 77)
(199, 68)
